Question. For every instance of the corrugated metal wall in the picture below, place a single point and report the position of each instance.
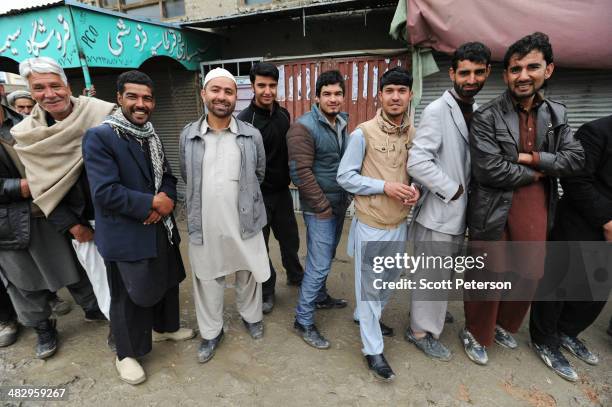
(297, 81)
(177, 103)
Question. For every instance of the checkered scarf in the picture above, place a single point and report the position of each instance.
(146, 133)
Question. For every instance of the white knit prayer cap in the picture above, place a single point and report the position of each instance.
(218, 73)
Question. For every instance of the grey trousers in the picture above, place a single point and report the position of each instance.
(33, 307)
(428, 315)
(208, 298)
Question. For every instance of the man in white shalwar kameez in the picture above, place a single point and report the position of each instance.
(223, 163)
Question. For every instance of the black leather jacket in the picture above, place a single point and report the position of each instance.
(14, 209)
(494, 148)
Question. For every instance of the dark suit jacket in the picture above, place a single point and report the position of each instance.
(122, 190)
(587, 200)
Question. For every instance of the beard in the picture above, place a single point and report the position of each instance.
(469, 93)
(127, 113)
(220, 112)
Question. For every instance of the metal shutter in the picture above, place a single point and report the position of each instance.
(435, 85)
(177, 103)
(586, 93)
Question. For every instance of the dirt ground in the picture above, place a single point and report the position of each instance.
(281, 369)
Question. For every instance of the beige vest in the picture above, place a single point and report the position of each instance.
(385, 158)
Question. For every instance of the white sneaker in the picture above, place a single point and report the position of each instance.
(130, 370)
(8, 333)
(182, 334)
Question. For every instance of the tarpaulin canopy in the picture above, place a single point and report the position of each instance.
(580, 30)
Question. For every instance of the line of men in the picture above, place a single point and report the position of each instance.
(109, 165)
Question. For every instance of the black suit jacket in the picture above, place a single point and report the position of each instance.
(587, 199)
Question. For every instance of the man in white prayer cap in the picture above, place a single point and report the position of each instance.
(223, 164)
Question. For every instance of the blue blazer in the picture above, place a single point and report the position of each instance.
(122, 190)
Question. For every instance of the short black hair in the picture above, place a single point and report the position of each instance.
(326, 78)
(396, 76)
(536, 41)
(134, 76)
(263, 69)
(475, 52)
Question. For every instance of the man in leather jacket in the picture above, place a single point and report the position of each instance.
(520, 143)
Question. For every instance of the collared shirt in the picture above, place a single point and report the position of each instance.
(527, 124)
(233, 126)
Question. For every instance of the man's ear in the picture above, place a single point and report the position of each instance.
(549, 70)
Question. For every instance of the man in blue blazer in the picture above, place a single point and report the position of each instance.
(133, 192)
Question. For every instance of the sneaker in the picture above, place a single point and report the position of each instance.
(8, 333)
(474, 350)
(94, 316)
(130, 371)
(380, 367)
(503, 338)
(429, 346)
(59, 306)
(330, 302)
(310, 334)
(554, 359)
(46, 344)
(577, 348)
(182, 334)
(267, 304)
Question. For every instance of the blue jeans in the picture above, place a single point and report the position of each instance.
(322, 238)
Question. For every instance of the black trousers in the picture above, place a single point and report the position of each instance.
(549, 318)
(7, 311)
(281, 221)
(131, 324)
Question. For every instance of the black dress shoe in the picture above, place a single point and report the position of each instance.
(384, 329)
(331, 302)
(256, 329)
(46, 344)
(267, 304)
(310, 334)
(110, 341)
(95, 315)
(295, 283)
(449, 318)
(380, 368)
(208, 347)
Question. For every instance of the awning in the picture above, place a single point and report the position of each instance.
(78, 35)
(280, 11)
(580, 32)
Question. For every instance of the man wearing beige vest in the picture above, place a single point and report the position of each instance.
(374, 169)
